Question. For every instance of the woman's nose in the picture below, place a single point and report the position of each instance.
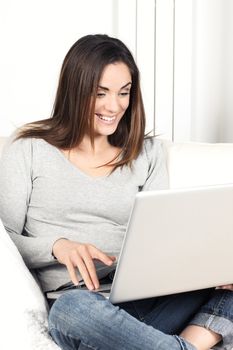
(112, 104)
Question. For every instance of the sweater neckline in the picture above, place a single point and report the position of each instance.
(81, 172)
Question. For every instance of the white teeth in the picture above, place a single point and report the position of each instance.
(107, 119)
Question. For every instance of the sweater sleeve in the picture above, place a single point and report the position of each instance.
(15, 190)
(157, 178)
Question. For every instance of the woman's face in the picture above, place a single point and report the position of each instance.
(112, 98)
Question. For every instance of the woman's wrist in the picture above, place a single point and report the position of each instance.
(59, 239)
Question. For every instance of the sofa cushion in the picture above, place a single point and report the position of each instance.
(199, 164)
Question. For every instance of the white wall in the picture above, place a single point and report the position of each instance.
(209, 60)
(194, 71)
(226, 127)
(164, 68)
(183, 67)
(203, 71)
(35, 36)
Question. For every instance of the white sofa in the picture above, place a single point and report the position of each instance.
(23, 307)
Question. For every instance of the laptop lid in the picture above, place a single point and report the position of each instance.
(176, 241)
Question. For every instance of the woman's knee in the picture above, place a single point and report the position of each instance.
(75, 316)
(72, 308)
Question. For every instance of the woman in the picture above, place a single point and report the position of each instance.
(67, 215)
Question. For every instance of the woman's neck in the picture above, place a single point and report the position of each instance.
(101, 145)
(93, 161)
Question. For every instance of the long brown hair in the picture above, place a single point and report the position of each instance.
(73, 110)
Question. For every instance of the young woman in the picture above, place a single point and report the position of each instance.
(67, 185)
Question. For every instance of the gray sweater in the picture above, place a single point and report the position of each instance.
(43, 197)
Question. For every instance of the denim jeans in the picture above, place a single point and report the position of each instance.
(86, 320)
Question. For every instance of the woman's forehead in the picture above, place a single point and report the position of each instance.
(115, 75)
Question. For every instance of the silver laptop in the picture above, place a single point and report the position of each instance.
(176, 241)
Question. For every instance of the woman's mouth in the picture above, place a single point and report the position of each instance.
(106, 119)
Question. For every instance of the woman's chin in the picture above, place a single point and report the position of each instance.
(105, 133)
(106, 130)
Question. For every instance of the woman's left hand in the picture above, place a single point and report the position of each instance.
(226, 286)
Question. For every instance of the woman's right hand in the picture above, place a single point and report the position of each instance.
(80, 255)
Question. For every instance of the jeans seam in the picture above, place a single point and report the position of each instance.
(148, 317)
(181, 342)
(220, 305)
(141, 318)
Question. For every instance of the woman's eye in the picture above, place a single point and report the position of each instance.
(100, 94)
(124, 93)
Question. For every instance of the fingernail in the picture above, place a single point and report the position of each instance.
(90, 287)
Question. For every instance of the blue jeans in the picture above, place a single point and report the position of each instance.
(86, 320)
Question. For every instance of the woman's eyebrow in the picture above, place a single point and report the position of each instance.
(107, 89)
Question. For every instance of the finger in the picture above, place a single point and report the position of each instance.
(227, 286)
(91, 270)
(97, 254)
(84, 272)
(72, 272)
(113, 258)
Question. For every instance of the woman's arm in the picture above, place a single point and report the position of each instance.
(15, 190)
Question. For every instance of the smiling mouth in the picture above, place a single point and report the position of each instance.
(105, 118)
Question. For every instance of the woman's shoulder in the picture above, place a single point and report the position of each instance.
(15, 144)
(24, 146)
(151, 141)
(151, 153)
(153, 147)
